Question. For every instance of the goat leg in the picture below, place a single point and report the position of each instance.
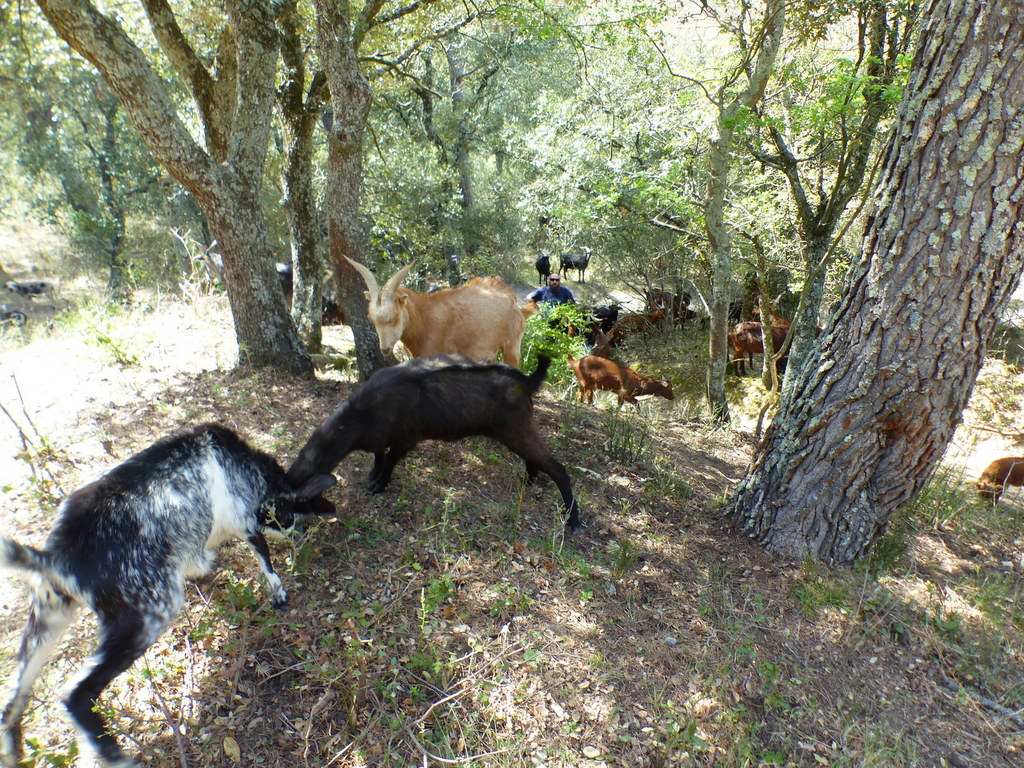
(278, 595)
(384, 465)
(125, 639)
(48, 620)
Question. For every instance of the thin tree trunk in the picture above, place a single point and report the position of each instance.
(300, 118)
(802, 351)
(719, 165)
(721, 269)
(884, 36)
(227, 191)
(350, 97)
(860, 433)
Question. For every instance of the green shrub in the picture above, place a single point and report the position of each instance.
(548, 333)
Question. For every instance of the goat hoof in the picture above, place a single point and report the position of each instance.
(280, 603)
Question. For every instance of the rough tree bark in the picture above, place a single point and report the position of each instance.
(861, 432)
(225, 180)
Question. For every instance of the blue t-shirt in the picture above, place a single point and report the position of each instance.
(549, 295)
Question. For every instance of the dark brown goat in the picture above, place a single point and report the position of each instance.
(598, 373)
(445, 397)
(634, 324)
(746, 340)
(1008, 470)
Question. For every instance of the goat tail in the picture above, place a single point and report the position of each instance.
(23, 558)
(536, 379)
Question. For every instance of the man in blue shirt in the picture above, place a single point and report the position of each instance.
(553, 293)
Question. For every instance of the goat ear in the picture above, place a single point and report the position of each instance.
(316, 485)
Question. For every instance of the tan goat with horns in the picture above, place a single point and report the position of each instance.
(476, 319)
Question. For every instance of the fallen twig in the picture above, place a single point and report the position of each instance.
(986, 702)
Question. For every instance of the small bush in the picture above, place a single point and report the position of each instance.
(548, 333)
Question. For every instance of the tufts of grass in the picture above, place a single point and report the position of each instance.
(625, 555)
(626, 439)
(941, 501)
(816, 590)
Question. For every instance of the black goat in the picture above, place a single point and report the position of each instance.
(331, 312)
(123, 546)
(578, 261)
(445, 397)
(543, 266)
(603, 319)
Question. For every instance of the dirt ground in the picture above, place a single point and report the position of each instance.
(450, 621)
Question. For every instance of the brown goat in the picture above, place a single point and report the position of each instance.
(746, 340)
(1008, 470)
(598, 373)
(633, 324)
(477, 319)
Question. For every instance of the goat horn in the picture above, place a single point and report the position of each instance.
(368, 278)
(396, 280)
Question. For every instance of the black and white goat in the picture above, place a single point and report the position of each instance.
(444, 397)
(123, 546)
(32, 288)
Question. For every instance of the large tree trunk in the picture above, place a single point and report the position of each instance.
(120, 279)
(226, 190)
(350, 97)
(862, 431)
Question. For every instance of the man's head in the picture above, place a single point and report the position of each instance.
(554, 280)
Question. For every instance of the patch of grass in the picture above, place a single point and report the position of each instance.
(888, 551)
(877, 745)
(669, 483)
(941, 500)
(109, 327)
(626, 439)
(997, 596)
(625, 555)
(816, 590)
